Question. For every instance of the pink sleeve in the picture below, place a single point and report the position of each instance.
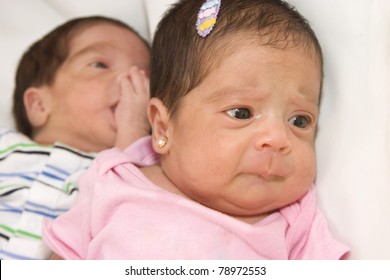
(320, 244)
(69, 234)
(308, 236)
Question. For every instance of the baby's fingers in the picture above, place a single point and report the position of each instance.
(140, 82)
(131, 112)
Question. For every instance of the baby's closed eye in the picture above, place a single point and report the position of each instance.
(99, 64)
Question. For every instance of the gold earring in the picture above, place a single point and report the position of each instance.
(161, 142)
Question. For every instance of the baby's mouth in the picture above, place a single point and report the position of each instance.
(267, 177)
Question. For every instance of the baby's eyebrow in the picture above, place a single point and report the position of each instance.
(216, 95)
(228, 92)
(96, 48)
(305, 102)
(308, 97)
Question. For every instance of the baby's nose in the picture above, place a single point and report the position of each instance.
(272, 134)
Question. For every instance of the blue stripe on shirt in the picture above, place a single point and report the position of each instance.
(41, 213)
(13, 256)
(59, 170)
(52, 176)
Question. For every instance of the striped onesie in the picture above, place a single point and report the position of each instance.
(35, 182)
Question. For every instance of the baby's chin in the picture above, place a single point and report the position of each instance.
(103, 144)
(254, 210)
(253, 218)
(241, 212)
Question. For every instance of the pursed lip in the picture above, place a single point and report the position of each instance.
(269, 167)
(267, 177)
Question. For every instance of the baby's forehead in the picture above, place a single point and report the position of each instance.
(229, 45)
(253, 68)
(105, 37)
(100, 31)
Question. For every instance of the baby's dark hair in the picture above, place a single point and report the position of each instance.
(181, 58)
(39, 64)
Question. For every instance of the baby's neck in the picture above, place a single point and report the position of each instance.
(251, 219)
(47, 138)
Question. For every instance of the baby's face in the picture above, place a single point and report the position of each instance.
(243, 139)
(86, 89)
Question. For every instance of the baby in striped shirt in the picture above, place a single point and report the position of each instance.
(80, 89)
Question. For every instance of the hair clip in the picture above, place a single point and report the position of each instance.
(207, 17)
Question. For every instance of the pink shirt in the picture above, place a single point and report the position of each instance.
(120, 214)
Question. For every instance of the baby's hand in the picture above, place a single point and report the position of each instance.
(130, 115)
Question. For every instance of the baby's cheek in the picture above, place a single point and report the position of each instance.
(312, 169)
(306, 164)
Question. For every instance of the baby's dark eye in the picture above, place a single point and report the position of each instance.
(101, 65)
(300, 121)
(239, 113)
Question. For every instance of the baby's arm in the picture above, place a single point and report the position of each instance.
(130, 114)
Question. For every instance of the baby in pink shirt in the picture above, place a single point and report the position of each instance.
(229, 169)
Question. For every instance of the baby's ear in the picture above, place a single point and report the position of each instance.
(37, 103)
(161, 128)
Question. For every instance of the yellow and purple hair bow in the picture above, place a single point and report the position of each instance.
(207, 17)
